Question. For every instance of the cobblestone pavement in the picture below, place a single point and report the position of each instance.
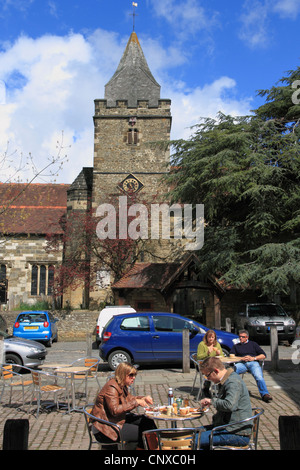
(56, 430)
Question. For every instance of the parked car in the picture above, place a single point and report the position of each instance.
(153, 338)
(39, 325)
(257, 318)
(106, 314)
(22, 352)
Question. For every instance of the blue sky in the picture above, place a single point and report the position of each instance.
(56, 56)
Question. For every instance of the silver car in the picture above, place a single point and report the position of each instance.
(257, 318)
(23, 352)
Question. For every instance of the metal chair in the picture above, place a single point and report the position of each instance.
(43, 382)
(11, 379)
(89, 419)
(91, 363)
(171, 439)
(252, 445)
(198, 373)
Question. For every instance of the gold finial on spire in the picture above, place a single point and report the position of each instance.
(134, 6)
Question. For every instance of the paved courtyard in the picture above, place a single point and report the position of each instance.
(55, 430)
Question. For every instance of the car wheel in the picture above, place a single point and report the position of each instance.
(15, 360)
(116, 357)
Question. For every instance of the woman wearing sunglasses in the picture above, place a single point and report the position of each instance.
(115, 403)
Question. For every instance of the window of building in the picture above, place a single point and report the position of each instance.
(3, 284)
(42, 279)
(133, 136)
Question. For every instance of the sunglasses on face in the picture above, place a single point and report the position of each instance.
(132, 376)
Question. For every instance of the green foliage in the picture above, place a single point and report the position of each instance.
(246, 171)
(40, 305)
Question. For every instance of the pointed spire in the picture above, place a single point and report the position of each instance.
(133, 79)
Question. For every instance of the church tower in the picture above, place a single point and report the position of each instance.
(130, 118)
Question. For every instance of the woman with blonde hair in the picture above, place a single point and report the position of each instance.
(208, 347)
(115, 403)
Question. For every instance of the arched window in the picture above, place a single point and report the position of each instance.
(132, 136)
(50, 279)
(3, 284)
(34, 280)
(42, 280)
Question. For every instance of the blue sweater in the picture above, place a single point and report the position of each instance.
(251, 348)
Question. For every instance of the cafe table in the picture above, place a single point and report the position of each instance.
(173, 418)
(230, 359)
(70, 372)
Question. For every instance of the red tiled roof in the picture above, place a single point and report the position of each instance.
(147, 276)
(33, 208)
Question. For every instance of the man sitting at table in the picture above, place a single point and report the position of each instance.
(232, 404)
(251, 353)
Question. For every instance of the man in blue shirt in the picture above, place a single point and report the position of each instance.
(251, 353)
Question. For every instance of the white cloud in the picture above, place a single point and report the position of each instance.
(257, 16)
(189, 107)
(51, 83)
(187, 15)
(254, 19)
(287, 8)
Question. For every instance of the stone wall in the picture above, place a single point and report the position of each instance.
(72, 326)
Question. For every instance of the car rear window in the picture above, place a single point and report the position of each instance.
(32, 318)
(135, 323)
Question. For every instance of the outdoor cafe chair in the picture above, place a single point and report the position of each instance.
(171, 439)
(89, 419)
(252, 445)
(43, 382)
(12, 380)
(91, 363)
(198, 375)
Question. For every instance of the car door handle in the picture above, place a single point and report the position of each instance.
(155, 336)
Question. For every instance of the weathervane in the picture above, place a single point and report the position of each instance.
(134, 5)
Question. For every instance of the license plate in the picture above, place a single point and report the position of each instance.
(31, 327)
(279, 328)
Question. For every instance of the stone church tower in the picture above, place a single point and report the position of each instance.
(131, 116)
(128, 125)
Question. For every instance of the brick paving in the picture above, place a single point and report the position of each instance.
(56, 430)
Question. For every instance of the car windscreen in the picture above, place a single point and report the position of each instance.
(32, 318)
(266, 311)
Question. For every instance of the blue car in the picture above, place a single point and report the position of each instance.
(39, 325)
(153, 338)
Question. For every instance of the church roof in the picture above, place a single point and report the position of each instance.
(33, 208)
(133, 79)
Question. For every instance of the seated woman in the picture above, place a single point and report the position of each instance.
(209, 347)
(115, 403)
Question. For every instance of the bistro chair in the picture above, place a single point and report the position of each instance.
(171, 439)
(252, 445)
(89, 419)
(198, 375)
(43, 382)
(91, 363)
(11, 379)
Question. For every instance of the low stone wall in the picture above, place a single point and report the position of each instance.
(72, 326)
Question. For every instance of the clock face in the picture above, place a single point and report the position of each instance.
(130, 184)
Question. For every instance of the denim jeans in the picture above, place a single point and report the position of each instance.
(221, 437)
(255, 369)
